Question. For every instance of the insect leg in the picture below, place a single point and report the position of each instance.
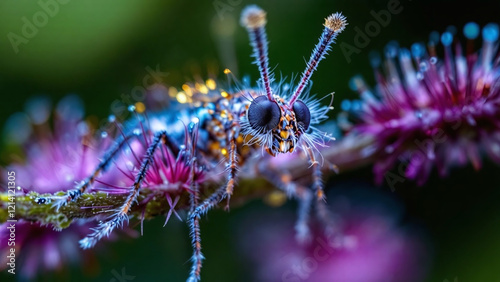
(327, 219)
(201, 209)
(116, 220)
(317, 177)
(283, 181)
(194, 226)
(232, 169)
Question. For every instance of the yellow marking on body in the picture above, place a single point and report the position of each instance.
(282, 146)
(201, 88)
(181, 97)
(224, 94)
(211, 84)
(230, 186)
(286, 178)
(223, 151)
(187, 89)
(140, 107)
(223, 114)
(172, 91)
(227, 71)
(214, 146)
(320, 194)
(284, 134)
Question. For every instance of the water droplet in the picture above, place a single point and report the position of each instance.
(420, 75)
(38, 109)
(357, 105)
(82, 128)
(447, 39)
(404, 53)
(418, 114)
(418, 50)
(471, 30)
(490, 32)
(424, 66)
(70, 108)
(345, 105)
(391, 50)
(18, 128)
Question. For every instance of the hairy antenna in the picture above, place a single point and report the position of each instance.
(253, 18)
(334, 25)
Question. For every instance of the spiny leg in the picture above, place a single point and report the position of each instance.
(195, 223)
(232, 169)
(201, 209)
(194, 226)
(283, 181)
(74, 194)
(327, 219)
(316, 176)
(116, 220)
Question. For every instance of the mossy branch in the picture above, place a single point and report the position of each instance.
(345, 156)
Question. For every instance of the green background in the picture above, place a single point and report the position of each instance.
(100, 49)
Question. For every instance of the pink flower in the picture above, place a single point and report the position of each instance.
(428, 111)
(54, 159)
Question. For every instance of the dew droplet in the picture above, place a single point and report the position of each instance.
(471, 30)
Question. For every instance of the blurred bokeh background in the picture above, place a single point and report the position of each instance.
(102, 50)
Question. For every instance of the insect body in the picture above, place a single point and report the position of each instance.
(230, 129)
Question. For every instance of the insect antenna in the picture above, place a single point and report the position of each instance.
(253, 18)
(334, 25)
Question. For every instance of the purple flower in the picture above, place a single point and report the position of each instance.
(429, 111)
(54, 159)
(170, 173)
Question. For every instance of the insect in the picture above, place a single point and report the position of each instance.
(238, 128)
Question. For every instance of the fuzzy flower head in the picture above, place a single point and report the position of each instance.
(55, 157)
(173, 172)
(428, 111)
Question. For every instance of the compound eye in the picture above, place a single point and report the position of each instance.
(263, 114)
(302, 114)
